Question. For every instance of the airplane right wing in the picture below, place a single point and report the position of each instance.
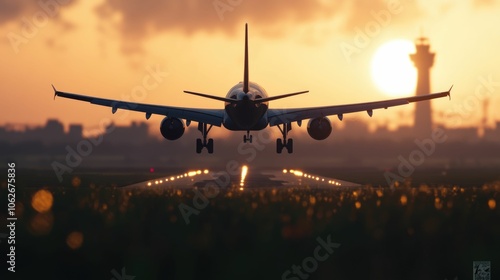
(282, 116)
(208, 116)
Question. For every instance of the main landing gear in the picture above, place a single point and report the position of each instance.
(200, 144)
(284, 143)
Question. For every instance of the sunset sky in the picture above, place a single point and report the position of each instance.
(109, 48)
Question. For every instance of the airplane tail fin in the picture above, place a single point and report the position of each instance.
(245, 71)
(245, 83)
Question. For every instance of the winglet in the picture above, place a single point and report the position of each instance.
(245, 71)
(449, 92)
(55, 91)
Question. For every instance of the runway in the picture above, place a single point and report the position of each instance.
(246, 178)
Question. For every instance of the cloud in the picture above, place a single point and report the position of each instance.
(11, 11)
(136, 20)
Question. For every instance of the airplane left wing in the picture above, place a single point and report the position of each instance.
(281, 116)
(208, 116)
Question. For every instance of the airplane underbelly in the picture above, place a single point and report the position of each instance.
(242, 117)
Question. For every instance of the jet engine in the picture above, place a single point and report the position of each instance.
(319, 128)
(172, 128)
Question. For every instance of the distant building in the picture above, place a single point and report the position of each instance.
(75, 132)
(423, 60)
(354, 129)
(492, 134)
(463, 134)
(136, 133)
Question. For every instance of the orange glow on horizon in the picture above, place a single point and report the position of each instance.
(217, 50)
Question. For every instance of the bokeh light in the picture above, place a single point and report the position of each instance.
(492, 204)
(42, 201)
(403, 200)
(76, 181)
(74, 240)
(41, 223)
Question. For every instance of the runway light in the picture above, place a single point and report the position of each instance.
(191, 173)
(198, 172)
(298, 173)
(205, 171)
(149, 184)
(285, 171)
(172, 178)
(244, 170)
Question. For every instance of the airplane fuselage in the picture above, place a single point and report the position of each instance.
(246, 114)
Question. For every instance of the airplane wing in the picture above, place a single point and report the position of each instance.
(281, 116)
(208, 116)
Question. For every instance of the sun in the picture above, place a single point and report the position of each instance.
(392, 70)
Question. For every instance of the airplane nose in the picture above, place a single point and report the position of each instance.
(246, 97)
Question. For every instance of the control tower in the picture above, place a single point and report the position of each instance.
(423, 60)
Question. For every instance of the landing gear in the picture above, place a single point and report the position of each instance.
(247, 138)
(203, 143)
(284, 143)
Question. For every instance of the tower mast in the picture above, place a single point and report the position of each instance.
(423, 60)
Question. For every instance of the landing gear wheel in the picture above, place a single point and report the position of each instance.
(279, 146)
(289, 146)
(284, 143)
(202, 143)
(210, 146)
(247, 138)
(199, 146)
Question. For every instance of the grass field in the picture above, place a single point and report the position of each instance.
(92, 229)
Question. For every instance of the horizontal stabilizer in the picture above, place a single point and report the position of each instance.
(212, 96)
(279, 96)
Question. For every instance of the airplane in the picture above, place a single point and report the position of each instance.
(246, 108)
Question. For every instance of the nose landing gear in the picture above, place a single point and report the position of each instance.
(247, 138)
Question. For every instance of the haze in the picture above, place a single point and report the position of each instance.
(104, 48)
